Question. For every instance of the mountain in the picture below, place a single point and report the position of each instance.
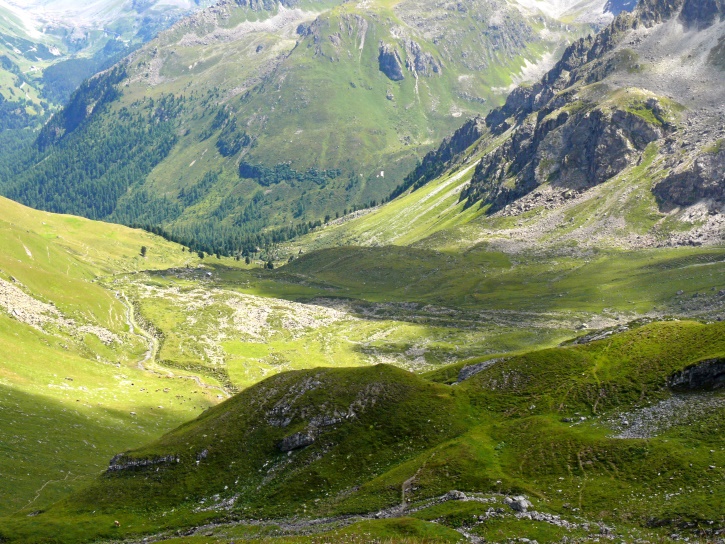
(616, 437)
(619, 145)
(533, 351)
(269, 116)
(606, 101)
(48, 47)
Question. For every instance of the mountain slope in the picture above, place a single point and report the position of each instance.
(597, 435)
(277, 115)
(619, 145)
(47, 48)
(74, 374)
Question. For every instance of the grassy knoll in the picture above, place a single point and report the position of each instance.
(387, 446)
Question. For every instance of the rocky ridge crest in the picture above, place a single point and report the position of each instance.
(594, 114)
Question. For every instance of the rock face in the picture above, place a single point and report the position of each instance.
(419, 61)
(701, 14)
(703, 178)
(709, 374)
(121, 462)
(389, 62)
(571, 150)
(296, 441)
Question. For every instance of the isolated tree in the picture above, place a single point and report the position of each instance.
(270, 264)
(200, 254)
(247, 260)
(143, 251)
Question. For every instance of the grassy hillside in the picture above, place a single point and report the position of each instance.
(268, 120)
(601, 282)
(592, 434)
(99, 339)
(72, 388)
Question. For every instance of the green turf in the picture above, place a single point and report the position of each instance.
(539, 423)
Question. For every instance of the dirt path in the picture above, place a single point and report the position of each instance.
(300, 527)
(138, 330)
(149, 357)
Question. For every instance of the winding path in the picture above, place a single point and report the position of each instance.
(152, 341)
(153, 348)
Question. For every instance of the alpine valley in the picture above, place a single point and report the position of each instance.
(48, 47)
(378, 271)
(250, 121)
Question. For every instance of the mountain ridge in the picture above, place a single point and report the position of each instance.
(561, 161)
(49, 48)
(270, 119)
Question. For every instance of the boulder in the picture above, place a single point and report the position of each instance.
(518, 503)
(296, 441)
(454, 495)
(703, 178)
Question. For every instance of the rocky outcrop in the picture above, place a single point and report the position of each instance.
(576, 141)
(389, 62)
(708, 374)
(419, 61)
(122, 462)
(567, 148)
(701, 14)
(296, 441)
(702, 179)
(471, 370)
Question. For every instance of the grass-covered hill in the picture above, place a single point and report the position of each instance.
(106, 349)
(619, 437)
(267, 117)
